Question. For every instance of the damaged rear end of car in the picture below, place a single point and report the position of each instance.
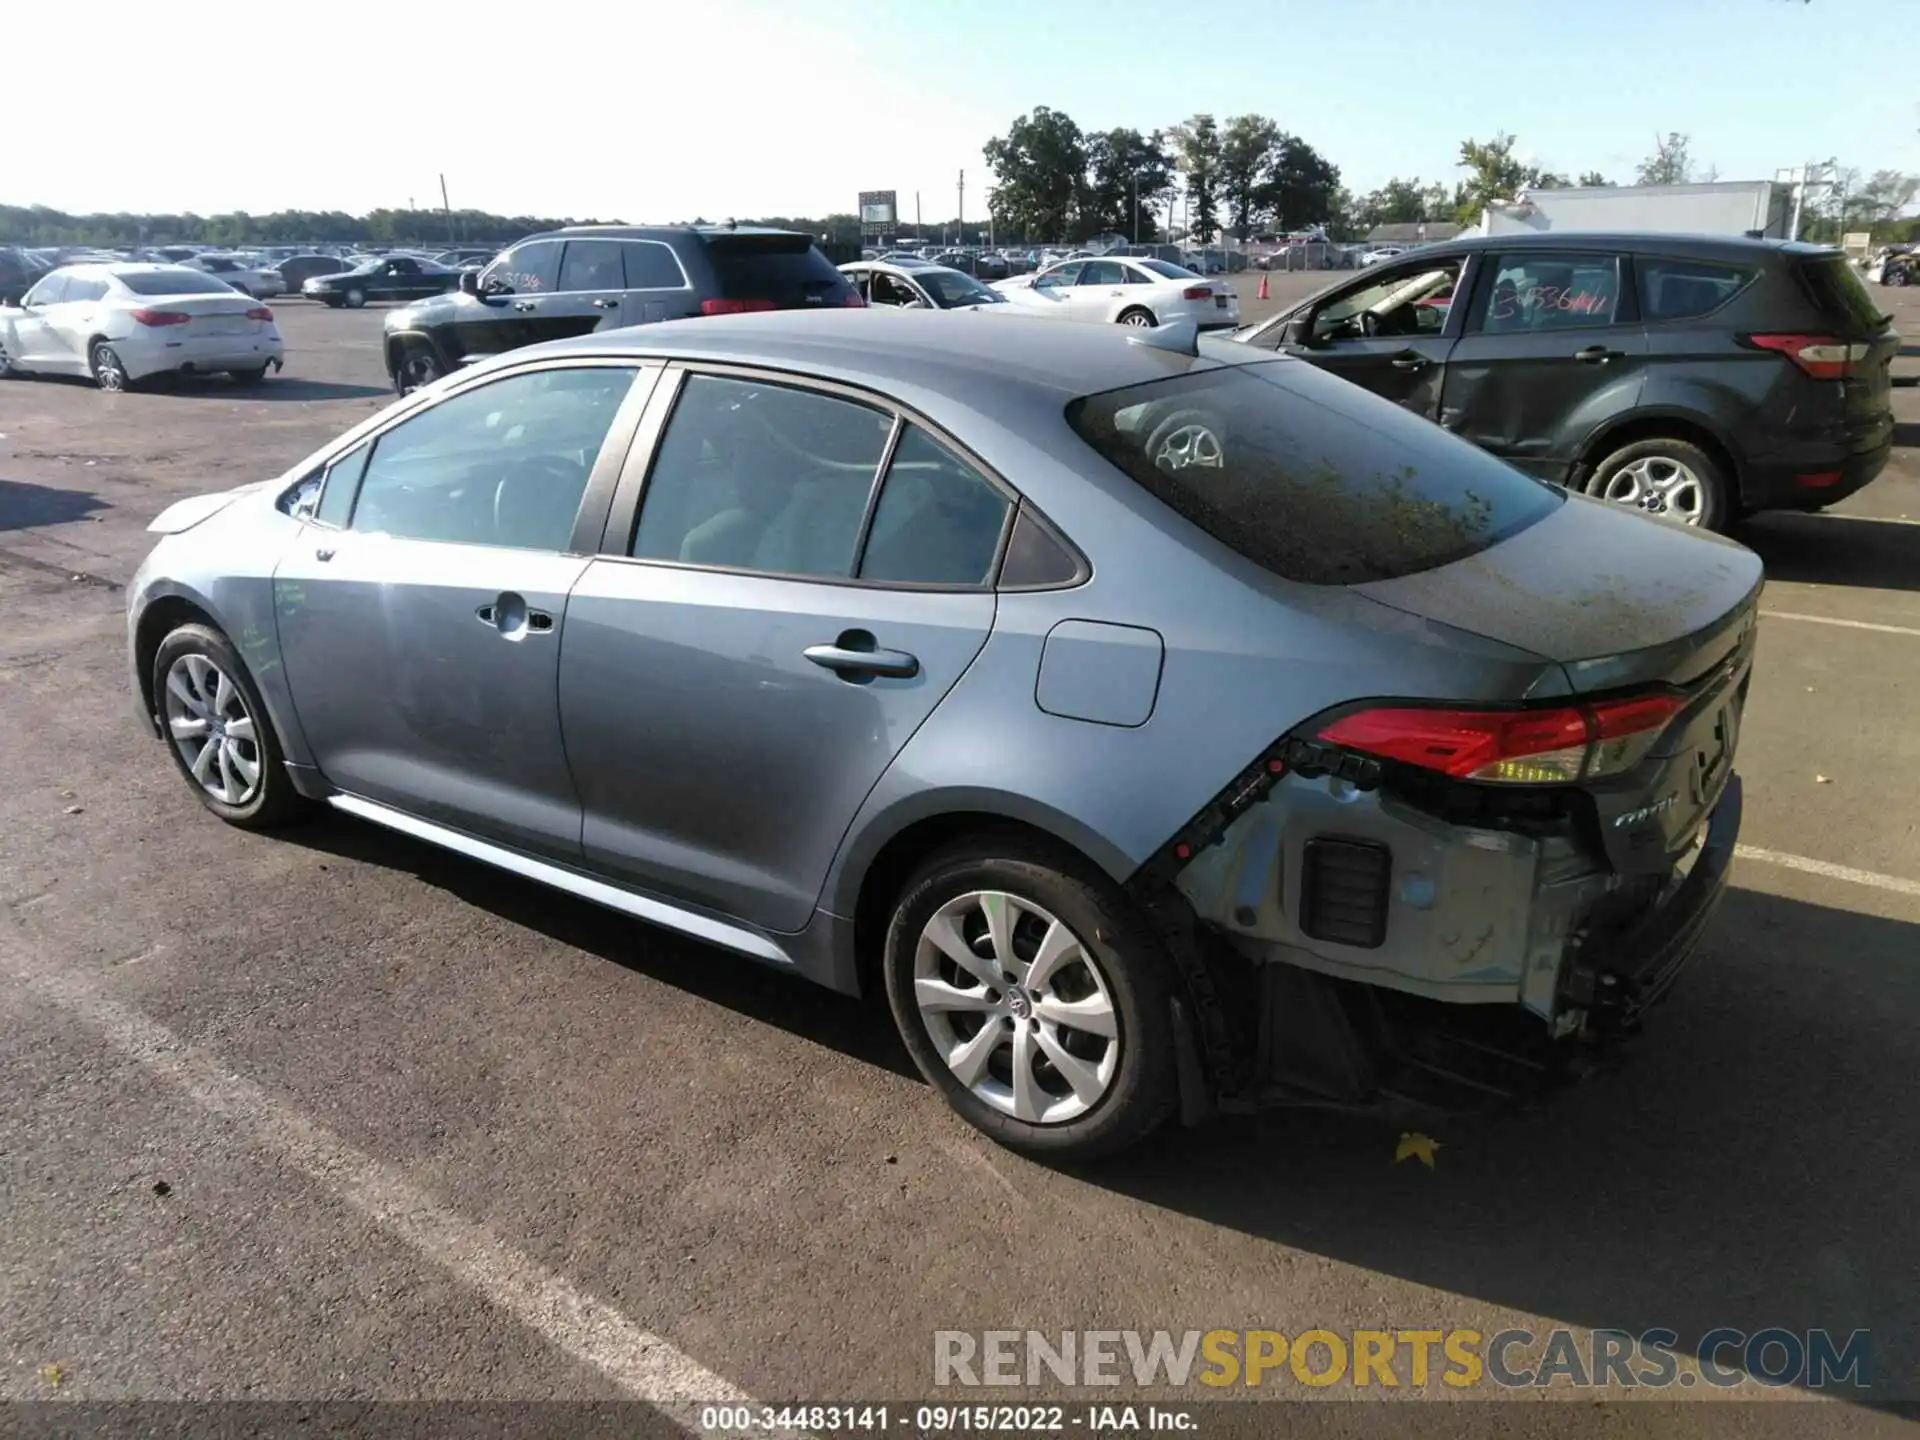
(1447, 900)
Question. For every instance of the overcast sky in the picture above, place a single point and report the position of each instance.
(645, 110)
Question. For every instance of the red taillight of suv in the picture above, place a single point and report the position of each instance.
(161, 317)
(1824, 357)
(1513, 747)
(735, 307)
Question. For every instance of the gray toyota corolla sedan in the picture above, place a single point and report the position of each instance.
(1166, 729)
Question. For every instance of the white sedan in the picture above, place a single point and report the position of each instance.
(919, 286)
(122, 323)
(1123, 290)
(262, 284)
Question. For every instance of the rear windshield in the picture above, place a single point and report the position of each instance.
(786, 269)
(1303, 474)
(1837, 290)
(1170, 272)
(174, 282)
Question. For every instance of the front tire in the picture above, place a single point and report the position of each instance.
(1666, 477)
(1138, 319)
(218, 731)
(108, 370)
(418, 367)
(355, 299)
(1033, 996)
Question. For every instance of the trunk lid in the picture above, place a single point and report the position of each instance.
(227, 314)
(1845, 304)
(1624, 603)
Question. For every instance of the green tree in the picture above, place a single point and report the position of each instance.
(1670, 163)
(1197, 144)
(1040, 165)
(1301, 186)
(1593, 179)
(1495, 173)
(1124, 166)
(1248, 145)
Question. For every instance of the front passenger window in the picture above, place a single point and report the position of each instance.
(504, 464)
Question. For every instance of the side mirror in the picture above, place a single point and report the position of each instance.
(1298, 331)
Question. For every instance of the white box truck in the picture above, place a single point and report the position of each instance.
(1736, 207)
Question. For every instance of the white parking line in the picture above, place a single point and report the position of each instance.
(1848, 624)
(1876, 519)
(640, 1363)
(1831, 871)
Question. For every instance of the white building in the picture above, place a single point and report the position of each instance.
(1737, 207)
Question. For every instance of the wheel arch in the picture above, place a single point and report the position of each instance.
(883, 857)
(160, 617)
(398, 341)
(1683, 425)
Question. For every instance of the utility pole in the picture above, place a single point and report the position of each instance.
(1136, 207)
(961, 201)
(919, 235)
(446, 209)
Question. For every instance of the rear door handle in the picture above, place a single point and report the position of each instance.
(1596, 355)
(1410, 362)
(605, 304)
(854, 657)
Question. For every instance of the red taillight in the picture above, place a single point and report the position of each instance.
(735, 307)
(1824, 357)
(855, 300)
(1817, 479)
(1523, 747)
(261, 313)
(1196, 292)
(161, 317)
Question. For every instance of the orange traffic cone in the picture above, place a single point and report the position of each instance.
(1263, 287)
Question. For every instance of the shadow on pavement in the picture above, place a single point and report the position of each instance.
(1750, 1163)
(863, 1031)
(1906, 432)
(283, 388)
(1819, 550)
(25, 506)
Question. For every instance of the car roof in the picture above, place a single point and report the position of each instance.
(656, 232)
(121, 267)
(943, 356)
(905, 271)
(1737, 246)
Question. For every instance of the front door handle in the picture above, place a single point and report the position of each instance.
(513, 617)
(854, 657)
(606, 304)
(324, 553)
(1410, 362)
(1595, 355)
(527, 305)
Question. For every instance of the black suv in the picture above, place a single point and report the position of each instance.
(589, 277)
(1700, 377)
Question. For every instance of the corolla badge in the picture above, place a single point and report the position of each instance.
(1634, 817)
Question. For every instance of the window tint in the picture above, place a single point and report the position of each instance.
(1068, 274)
(951, 288)
(505, 464)
(786, 269)
(1407, 302)
(1680, 289)
(1035, 559)
(1551, 292)
(78, 289)
(592, 265)
(172, 281)
(1837, 289)
(50, 291)
(526, 269)
(890, 290)
(342, 484)
(403, 266)
(1308, 477)
(761, 477)
(1169, 271)
(651, 266)
(1102, 272)
(938, 521)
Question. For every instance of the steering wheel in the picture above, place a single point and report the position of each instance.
(1369, 324)
(541, 469)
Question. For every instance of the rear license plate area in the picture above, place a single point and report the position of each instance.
(1220, 301)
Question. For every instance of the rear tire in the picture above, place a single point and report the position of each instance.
(108, 370)
(207, 705)
(1666, 477)
(1052, 1031)
(1138, 318)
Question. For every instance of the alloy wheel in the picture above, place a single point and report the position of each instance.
(1659, 485)
(1016, 1005)
(418, 368)
(108, 372)
(1138, 320)
(209, 723)
(1188, 446)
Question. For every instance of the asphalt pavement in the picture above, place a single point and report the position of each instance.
(334, 1116)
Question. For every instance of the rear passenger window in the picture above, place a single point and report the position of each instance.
(760, 477)
(652, 267)
(938, 521)
(1681, 289)
(1551, 292)
(591, 265)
